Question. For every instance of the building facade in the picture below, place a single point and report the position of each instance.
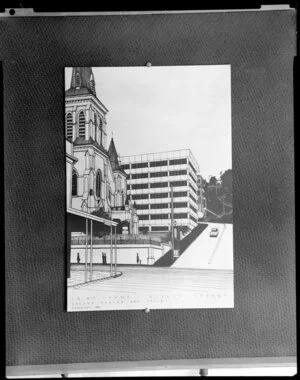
(151, 179)
(96, 183)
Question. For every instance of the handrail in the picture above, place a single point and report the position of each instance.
(81, 241)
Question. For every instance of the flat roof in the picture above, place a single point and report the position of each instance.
(170, 154)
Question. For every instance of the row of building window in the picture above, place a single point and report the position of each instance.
(151, 164)
(159, 205)
(159, 195)
(192, 187)
(159, 174)
(193, 208)
(138, 176)
(140, 196)
(163, 205)
(176, 194)
(137, 166)
(178, 161)
(138, 186)
(182, 215)
(191, 165)
(158, 163)
(154, 228)
(160, 228)
(156, 185)
(194, 199)
(193, 219)
(194, 179)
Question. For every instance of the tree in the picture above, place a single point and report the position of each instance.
(226, 179)
(212, 181)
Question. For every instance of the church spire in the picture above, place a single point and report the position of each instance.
(113, 155)
(82, 81)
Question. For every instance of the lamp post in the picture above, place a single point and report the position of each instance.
(172, 221)
(86, 250)
(115, 250)
(174, 237)
(111, 251)
(91, 252)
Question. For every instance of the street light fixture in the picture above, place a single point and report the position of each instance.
(200, 214)
(175, 251)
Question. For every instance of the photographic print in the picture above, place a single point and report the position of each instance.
(149, 187)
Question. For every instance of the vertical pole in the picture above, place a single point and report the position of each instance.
(86, 250)
(172, 221)
(111, 252)
(91, 253)
(115, 250)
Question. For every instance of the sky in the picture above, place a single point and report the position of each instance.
(162, 108)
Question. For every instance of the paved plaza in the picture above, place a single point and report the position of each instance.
(158, 288)
(78, 278)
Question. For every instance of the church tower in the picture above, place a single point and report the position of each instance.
(85, 114)
(82, 81)
(85, 127)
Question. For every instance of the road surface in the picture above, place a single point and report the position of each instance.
(209, 252)
(155, 288)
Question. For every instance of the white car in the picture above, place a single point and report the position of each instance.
(214, 232)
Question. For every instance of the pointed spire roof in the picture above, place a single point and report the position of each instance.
(113, 156)
(82, 82)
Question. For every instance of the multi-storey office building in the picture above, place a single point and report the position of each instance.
(149, 184)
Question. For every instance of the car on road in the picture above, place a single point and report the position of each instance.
(214, 232)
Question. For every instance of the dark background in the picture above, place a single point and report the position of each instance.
(260, 46)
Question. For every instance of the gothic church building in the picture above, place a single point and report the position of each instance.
(96, 183)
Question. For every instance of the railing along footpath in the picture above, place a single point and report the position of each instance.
(119, 241)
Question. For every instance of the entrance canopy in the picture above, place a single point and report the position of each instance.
(81, 214)
(78, 220)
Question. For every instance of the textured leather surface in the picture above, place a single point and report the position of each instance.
(260, 47)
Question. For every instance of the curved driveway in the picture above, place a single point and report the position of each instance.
(209, 252)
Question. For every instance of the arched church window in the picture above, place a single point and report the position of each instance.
(69, 126)
(74, 182)
(81, 120)
(98, 183)
(77, 80)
